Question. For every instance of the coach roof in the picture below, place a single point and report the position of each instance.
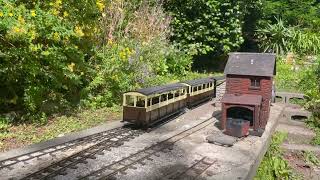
(160, 89)
(199, 81)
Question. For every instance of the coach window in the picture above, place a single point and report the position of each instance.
(208, 85)
(183, 92)
(130, 100)
(176, 94)
(140, 101)
(170, 95)
(155, 100)
(211, 84)
(195, 89)
(149, 101)
(163, 97)
(199, 88)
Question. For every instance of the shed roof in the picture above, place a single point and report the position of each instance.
(196, 82)
(255, 64)
(244, 99)
(160, 89)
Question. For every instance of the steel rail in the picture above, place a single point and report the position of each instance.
(61, 147)
(145, 154)
(58, 168)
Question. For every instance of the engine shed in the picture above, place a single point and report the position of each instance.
(249, 86)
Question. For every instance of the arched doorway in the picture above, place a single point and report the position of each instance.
(239, 112)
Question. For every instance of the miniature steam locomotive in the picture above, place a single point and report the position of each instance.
(145, 107)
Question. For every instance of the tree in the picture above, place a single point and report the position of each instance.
(206, 26)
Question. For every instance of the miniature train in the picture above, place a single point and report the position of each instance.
(145, 107)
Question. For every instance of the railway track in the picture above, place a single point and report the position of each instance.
(114, 139)
(102, 142)
(194, 171)
(8, 163)
(110, 170)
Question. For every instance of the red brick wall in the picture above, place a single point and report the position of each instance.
(241, 84)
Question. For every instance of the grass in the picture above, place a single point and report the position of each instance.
(273, 165)
(288, 78)
(310, 158)
(24, 134)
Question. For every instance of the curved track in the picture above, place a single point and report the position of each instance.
(102, 142)
(113, 139)
(110, 170)
(7, 163)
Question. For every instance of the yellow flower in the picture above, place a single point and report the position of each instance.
(100, 5)
(33, 13)
(10, 14)
(32, 34)
(58, 3)
(21, 19)
(16, 29)
(65, 14)
(56, 36)
(55, 12)
(110, 42)
(78, 31)
(1, 14)
(71, 66)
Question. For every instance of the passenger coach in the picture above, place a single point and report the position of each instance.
(200, 90)
(147, 106)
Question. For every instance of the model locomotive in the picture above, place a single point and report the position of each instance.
(147, 106)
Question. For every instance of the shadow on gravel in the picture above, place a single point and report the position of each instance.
(176, 172)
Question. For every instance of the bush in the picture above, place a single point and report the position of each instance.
(201, 27)
(135, 53)
(128, 65)
(42, 58)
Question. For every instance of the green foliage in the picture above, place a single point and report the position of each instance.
(273, 166)
(281, 39)
(274, 37)
(311, 158)
(201, 27)
(302, 13)
(286, 80)
(56, 55)
(42, 57)
(311, 85)
(129, 65)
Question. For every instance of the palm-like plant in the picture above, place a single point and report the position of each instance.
(275, 38)
(278, 38)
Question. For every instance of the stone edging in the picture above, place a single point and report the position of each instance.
(254, 167)
(59, 140)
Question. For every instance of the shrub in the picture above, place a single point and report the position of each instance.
(201, 27)
(42, 56)
(128, 65)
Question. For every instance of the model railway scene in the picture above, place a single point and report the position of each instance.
(159, 90)
(187, 130)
